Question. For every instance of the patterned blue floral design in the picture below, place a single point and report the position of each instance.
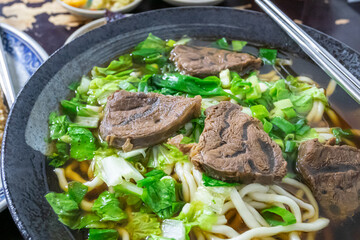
(21, 51)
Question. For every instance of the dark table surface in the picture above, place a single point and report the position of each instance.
(49, 24)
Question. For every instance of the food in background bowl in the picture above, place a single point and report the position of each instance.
(190, 139)
(97, 9)
(98, 4)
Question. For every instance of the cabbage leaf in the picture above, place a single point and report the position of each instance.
(142, 225)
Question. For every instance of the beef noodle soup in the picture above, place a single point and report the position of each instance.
(194, 139)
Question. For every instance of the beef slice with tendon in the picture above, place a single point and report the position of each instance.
(234, 147)
(138, 120)
(205, 61)
(333, 175)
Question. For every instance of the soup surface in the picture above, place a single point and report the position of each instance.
(193, 139)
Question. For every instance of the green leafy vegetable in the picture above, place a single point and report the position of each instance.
(209, 86)
(273, 213)
(82, 143)
(211, 182)
(143, 225)
(340, 133)
(165, 155)
(116, 66)
(129, 189)
(107, 206)
(103, 234)
(65, 207)
(154, 237)
(58, 125)
(102, 87)
(279, 90)
(91, 220)
(268, 55)
(152, 50)
(77, 191)
(114, 170)
(197, 214)
(213, 197)
(160, 194)
(173, 229)
(61, 155)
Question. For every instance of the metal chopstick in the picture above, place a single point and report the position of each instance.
(316, 52)
(5, 80)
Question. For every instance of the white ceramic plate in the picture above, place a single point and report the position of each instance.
(23, 56)
(193, 2)
(98, 13)
(86, 28)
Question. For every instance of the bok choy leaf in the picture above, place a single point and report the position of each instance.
(107, 206)
(160, 194)
(103, 234)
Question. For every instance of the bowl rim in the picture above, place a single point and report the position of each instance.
(63, 50)
(193, 3)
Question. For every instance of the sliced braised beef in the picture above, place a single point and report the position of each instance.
(233, 147)
(137, 120)
(333, 174)
(204, 61)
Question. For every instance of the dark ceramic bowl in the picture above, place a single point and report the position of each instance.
(24, 169)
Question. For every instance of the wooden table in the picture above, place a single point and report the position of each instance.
(50, 24)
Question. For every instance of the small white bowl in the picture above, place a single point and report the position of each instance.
(86, 28)
(98, 13)
(193, 2)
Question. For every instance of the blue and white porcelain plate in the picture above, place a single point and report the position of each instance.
(24, 56)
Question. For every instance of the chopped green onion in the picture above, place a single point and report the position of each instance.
(289, 146)
(225, 78)
(270, 215)
(283, 124)
(238, 45)
(259, 111)
(289, 113)
(255, 91)
(267, 125)
(304, 129)
(280, 143)
(222, 43)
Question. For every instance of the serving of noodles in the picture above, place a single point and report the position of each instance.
(157, 192)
